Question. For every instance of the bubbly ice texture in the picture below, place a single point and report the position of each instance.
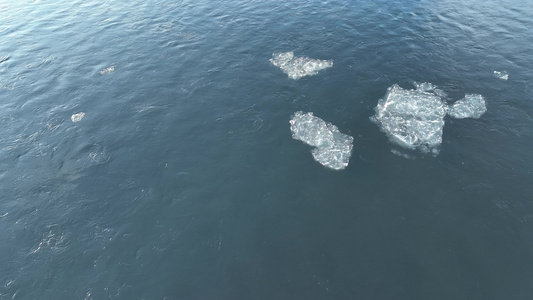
(298, 67)
(332, 148)
(501, 74)
(414, 119)
(471, 106)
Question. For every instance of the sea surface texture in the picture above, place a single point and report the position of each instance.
(146, 150)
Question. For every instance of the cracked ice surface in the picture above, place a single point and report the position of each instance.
(412, 119)
(471, 106)
(298, 67)
(332, 148)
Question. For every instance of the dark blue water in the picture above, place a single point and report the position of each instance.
(182, 181)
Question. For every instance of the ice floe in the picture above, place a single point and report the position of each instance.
(471, 106)
(501, 74)
(332, 148)
(107, 70)
(298, 67)
(414, 119)
(77, 117)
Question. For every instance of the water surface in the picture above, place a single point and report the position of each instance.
(182, 180)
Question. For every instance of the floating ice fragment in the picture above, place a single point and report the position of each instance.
(471, 106)
(98, 154)
(298, 67)
(77, 117)
(399, 153)
(332, 148)
(412, 119)
(107, 70)
(501, 74)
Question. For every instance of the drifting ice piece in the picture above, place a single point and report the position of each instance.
(412, 118)
(471, 106)
(77, 117)
(333, 148)
(501, 74)
(298, 67)
(107, 70)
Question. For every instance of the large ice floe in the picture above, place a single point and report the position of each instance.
(298, 67)
(332, 148)
(414, 119)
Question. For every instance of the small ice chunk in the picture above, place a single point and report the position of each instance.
(412, 119)
(471, 106)
(399, 153)
(501, 74)
(332, 148)
(107, 70)
(298, 67)
(77, 117)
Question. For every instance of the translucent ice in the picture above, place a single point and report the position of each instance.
(107, 70)
(77, 117)
(501, 74)
(471, 106)
(412, 118)
(332, 148)
(298, 67)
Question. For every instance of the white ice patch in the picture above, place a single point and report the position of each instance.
(414, 119)
(471, 106)
(332, 148)
(77, 117)
(501, 74)
(298, 67)
(107, 70)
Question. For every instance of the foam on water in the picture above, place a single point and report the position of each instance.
(471, 106)
(414, 119)
(332, 148)
(298, 67)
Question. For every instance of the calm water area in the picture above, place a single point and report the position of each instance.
(146, 151)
